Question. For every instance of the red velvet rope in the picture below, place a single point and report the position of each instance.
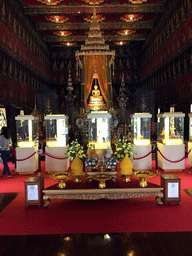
(59, 158)
(170, 160)
(144, 156)
(188, 152)
(62, 158)
(26, 157)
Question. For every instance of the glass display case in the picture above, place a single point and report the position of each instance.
(99, 130)
(56, 127)
(141, 128)
(27, 130)
(171, 128)
(171, 148)
(190, 140)
(141, 140)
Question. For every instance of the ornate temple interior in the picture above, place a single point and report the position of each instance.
(97, 71)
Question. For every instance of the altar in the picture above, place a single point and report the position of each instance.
(113, 191)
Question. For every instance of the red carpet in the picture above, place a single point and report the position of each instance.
(102, 216)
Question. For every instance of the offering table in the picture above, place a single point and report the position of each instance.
(113, 191)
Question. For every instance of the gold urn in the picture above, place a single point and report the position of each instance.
(126, 168)
(77, 169)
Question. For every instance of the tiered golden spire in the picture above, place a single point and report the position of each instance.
(95, 43)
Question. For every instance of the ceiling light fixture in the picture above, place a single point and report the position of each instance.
(50, 2)
(57, 19)
(137, 1)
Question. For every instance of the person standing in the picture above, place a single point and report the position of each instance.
(5, 145)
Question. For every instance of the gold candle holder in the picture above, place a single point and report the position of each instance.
(102, 178)
(143, 175)
(61, 177)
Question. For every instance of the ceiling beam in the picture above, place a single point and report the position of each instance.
(87, 9)
(103, 26)
(60, 39)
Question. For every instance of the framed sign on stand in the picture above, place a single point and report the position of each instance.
(172, 188)
(33, 191)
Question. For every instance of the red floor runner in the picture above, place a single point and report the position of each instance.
(102, 216)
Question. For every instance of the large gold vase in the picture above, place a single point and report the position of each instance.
(126, 168)
(77, 168)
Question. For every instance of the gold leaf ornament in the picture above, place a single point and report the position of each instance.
(126, 166)
(77, 167)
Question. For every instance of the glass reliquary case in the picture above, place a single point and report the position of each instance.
(171, 128)
(141, 128)
(56, 127)
(27, 129)
(190, 127)
(99, 130)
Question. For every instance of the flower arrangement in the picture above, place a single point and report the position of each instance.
(123, 147)
(73, 149)
(112, 162)
(90, 162)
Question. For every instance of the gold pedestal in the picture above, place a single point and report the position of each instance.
(61, 177)
(102, 179)
(62, 184)
(143, 175)
(77, 179)
(102, 184)
(127, 178)
(143, 182)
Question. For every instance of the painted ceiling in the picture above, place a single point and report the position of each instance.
(67, 22)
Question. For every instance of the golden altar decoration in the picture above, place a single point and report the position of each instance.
(96, 100)
(102, 178)
(61, 177)
(95, 58)
(143, 175)
(77, 169)
(126, 168)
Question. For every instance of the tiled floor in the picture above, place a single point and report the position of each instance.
(122, 244)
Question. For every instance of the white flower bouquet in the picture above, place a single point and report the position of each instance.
(112, 162)
(90, 163)
(123, 147)
(73, 149)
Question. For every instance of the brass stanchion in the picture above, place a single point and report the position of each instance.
(39, 151)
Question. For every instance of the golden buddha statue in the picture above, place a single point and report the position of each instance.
(96, 100)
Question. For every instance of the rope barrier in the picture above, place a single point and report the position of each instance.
(144, 156)
(139, 158)
(26, 157)
(59, 158)
(187, 150)
(171, 160)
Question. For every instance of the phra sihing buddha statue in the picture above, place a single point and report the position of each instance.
(96, 100)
